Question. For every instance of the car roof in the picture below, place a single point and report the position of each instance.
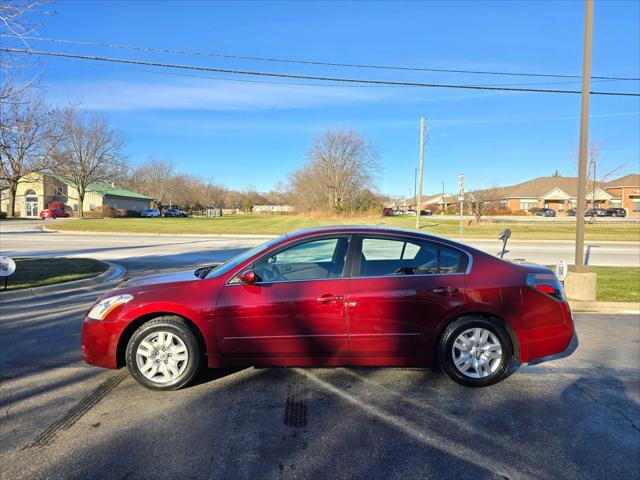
(363, 229)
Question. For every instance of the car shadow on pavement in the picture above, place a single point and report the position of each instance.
(387, 423)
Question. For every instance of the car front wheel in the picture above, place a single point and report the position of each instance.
(164, 354)
(475, 352)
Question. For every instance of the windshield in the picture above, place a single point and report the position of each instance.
(237, 260)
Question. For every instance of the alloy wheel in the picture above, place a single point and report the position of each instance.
(162, 357)
(477, 352)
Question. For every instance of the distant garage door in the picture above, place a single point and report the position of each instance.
(136, 204)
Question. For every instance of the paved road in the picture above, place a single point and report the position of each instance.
(136, 251)
(573, 418)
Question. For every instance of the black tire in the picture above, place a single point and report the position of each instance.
(446, 356)
(177, 327)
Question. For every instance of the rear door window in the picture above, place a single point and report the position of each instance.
(385, 256)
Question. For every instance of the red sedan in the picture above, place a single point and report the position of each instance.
(53, 213)
(358, 296)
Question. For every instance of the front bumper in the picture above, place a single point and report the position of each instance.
(100, 342)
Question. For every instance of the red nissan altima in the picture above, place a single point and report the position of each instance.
(358, 296)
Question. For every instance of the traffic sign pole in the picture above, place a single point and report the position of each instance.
(461, 198)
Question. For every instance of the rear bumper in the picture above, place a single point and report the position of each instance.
(551, 341)
(573, 346)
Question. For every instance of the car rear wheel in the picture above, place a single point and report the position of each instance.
(475, 352)
(164, 354)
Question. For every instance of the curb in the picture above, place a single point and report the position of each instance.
(249, 235)
(113, 273)
(631, 308)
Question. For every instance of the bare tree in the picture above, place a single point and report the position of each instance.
(19, 20)
(25, 141)
(214, 194)
(154, 177)
(482, 202)
(88, 150)
(340, 164)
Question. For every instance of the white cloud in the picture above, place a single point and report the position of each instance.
(200, 95)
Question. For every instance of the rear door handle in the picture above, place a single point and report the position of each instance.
(445, 290)
(330, 298)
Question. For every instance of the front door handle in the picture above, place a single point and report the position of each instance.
(330, 298)
(445, 290)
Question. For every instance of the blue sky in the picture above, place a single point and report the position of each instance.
(243, 134)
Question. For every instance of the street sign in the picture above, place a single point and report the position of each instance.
(561, 270)
(461, 187)
(7, 266)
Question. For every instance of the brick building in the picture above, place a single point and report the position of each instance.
(557, 193)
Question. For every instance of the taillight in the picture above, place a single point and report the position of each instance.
(546, 283)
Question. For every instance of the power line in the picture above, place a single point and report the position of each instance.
(311, 62)
(305, 77)
(339, 85)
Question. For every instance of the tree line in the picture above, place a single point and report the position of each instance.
(81, 148)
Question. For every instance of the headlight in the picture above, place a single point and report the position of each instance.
(101, 309)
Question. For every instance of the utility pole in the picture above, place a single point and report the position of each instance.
(419, 196)
(461, 198)
(584, 138)
(415, 185)
(444, 204)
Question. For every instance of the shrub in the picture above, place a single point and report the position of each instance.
(3, 214)
(101, 211)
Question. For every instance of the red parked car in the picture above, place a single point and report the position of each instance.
(334, 296)
(53, 213)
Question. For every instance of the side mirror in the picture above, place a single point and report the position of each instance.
(248, 277)
(504, 236)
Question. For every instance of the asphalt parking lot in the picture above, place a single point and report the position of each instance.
(577, 417)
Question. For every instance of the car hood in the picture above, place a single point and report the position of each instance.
(154, 280)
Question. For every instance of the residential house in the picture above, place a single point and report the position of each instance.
(37, 191)
(557, 193)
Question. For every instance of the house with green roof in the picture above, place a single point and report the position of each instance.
(36, 191)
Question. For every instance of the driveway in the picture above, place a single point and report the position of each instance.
(573, 418)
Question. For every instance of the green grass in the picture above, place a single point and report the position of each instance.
(36, 272)
(278, 224)
(618, 284)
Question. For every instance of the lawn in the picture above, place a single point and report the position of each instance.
(278, 224)
(618, 284)
(36, 272)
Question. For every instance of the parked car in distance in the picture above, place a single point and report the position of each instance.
(334, 296)
(426, 213)
(174, 212)
(411, 211)
(571, 212)
(53, 213)
(398, 212)
(595, 212)
(387, 212)
(545, 212)
(616, 212)
(150, 213)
